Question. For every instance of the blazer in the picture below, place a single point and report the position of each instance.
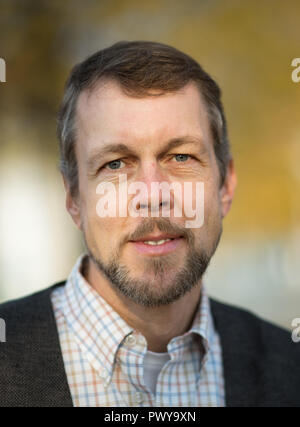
(261, 363)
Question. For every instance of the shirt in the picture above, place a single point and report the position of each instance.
(104, 356)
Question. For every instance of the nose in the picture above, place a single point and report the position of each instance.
(155, 198)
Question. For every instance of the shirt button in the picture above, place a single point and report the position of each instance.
(103, 374)
(141, 340)
(106, 383)
(139, 397)
(130, 340)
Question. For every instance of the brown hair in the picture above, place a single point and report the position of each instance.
(139, 67)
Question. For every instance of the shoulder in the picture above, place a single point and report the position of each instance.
(23, 315)
(249, 333)
(31, 365)
(13, 306)
(260, 359)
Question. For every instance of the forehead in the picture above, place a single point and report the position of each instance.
(106, 113)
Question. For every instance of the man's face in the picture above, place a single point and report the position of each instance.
(149, 275)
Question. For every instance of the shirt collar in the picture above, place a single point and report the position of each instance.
(202, 328)
(97, 328)
(100, 331)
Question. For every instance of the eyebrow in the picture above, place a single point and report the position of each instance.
(121, 148)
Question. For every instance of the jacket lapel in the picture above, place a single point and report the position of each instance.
(53, 374)
(241, 362)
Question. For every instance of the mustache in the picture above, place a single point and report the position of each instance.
(162, 224)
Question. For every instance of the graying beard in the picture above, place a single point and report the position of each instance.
(138, 291)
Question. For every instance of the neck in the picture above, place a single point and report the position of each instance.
(157, 324)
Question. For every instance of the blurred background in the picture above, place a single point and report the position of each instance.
(247, 46)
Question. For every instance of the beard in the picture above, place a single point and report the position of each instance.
(152, 291)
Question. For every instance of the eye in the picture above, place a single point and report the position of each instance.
(113, 165)
(182, 157)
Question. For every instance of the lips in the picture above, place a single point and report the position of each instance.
(157, 237)
(160, 249)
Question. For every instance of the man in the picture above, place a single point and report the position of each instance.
(133, 325)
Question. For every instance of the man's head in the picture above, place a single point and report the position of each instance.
(156, 104)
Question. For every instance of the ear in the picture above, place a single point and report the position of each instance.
(72, 204)
(228, 188)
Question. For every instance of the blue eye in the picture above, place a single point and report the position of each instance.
(114, 163)
(182, 157)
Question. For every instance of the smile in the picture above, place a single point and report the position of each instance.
(157, 247)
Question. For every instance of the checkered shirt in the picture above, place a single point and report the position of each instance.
(103, 355)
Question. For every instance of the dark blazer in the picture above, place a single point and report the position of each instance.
(261, 362)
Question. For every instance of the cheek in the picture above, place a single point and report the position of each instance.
(101, 236)
(212, 205)
(96, 228)
(212, 215)
(103, 231)
(202, 197)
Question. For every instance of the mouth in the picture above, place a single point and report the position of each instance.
(157, 245)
